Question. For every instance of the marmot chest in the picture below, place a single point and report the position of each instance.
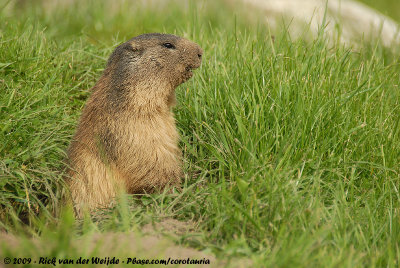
(145, 138)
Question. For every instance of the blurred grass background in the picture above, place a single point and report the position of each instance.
(389, 8)
(291, 147)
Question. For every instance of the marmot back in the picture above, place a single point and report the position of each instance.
(126, 138)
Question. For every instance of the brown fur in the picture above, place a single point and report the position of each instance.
(126, 138)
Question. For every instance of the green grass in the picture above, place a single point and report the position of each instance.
(291, 148)
(390, 8)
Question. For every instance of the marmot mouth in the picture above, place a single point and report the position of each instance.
(189, 72)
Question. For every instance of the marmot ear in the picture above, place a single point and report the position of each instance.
(132, 47)
(121, 51)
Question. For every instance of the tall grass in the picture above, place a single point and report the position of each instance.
(291, 148)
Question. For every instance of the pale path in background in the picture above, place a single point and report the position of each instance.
(355, 19)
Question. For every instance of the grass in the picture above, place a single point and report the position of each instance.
(291, 148)
(390, 8)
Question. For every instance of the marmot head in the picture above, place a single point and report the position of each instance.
(156, 58)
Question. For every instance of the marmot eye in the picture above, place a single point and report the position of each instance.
(168, 45)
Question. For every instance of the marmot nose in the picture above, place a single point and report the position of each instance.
(199, 52)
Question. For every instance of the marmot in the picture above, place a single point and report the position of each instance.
(126, 138)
